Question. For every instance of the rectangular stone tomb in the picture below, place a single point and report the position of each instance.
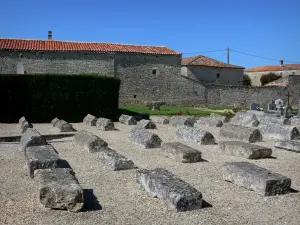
(21, 120)
(128, 120)
(144, 138)
(105, 124)
(279, 131)
(176, 121)
(254, 106)
(160, 120)
(116, 161)
(176, 193)
(25, 125)
(90, 120)
(53, 122)
(246, 150)
(197, 135)
(292, 146)
(59, 189)
(181, 152)
(245, 119)
(32, 137)
(256, 178)
(240, 133)
(64, 126)
(42, 157)
(210, 121)
(146, 124)
(90, 142)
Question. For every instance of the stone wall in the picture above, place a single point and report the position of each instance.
(226, 76)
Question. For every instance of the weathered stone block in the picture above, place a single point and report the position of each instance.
(116, 161)
(197, 135)
(59, 189)
(210, 121)
(25, 125)
(64, 126)
(31, 137)
(256, 178)
(245, 119)
(160, 120)
(128, 120)
(176, 193)
(90, 120)
(224, 119)
(21, 120)
(146, 124)
(90, 142)
(279, 131)
(265, 120)
(105, 124)
(42, 157)
(293, 146)
(181, 152)
(246, 150)
(53, 122)
(241, 133)
(176, 121)
(145, 138)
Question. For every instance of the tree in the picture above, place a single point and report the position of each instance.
(269, 77)
(247, 80)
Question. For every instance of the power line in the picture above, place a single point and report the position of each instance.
(188, 53)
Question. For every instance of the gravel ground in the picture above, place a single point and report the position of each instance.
(113, 197)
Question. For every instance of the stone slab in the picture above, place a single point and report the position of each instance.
(176, 193)
(176, 121)
(22, 120)
(59, 189)
(32, 137)
(89, 120)
(105, 124)
(42, 157)
(25, 125)
(181, 152)
(64, 126)
(210, 121)
(160, 120)
(245, 119)
(146, 124)
(256, 178)
(90, 142)
(241, 133)
(128, 120)
(246, 150)
(292, 146)
(144, 138)
(53, 122)
(265, 120)
(279, 131)
(17, 138)
(115, 161)
(197, 135)
(224, 119)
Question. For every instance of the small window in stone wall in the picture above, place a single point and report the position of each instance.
(134, 96)
(218, 75)
(154, 71)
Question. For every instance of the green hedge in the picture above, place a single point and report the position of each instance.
(40, 98)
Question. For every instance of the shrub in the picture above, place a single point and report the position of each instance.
(247, 80)
(267, 78)
(40, 98)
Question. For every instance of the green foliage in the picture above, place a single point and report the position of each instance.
(267, 78)
(247, 80)
(40, 98)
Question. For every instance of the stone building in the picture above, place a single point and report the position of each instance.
(208, 70)
(255, 73)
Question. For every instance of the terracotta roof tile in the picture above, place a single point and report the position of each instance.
(202, 60)
(274, 68)
(53, 45)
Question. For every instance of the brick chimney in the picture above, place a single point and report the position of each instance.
(281, 62)
(49, 35)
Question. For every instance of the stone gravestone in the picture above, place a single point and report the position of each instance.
(279, 104)
(272, 106)
(254, 106)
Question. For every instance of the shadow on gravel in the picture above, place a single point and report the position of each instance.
(205, 204)
(90, 201)
(293, 190)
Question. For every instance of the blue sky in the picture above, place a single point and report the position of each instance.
(269, 28)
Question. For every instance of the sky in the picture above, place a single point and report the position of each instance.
(266, 28)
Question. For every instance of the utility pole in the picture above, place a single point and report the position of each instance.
(228, 55)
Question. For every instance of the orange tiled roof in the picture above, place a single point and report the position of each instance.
(202, 60)
(274, 68)
(53, 45)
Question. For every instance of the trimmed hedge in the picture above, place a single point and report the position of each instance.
(40, 98)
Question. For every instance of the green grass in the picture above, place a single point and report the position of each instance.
(168, 110)
(219, 107)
